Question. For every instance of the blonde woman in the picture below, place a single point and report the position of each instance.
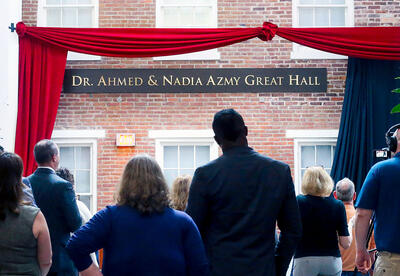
(180, 192)
(324, 225)
(140, 235)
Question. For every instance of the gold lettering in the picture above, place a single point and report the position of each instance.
(130, 81)
(187, 81)
(102, 81)
(303, 81)
(293, 79)
(121, 82)
(138, 81)
(259, 81)
(198, 82)
(111, 80)
(86, 82)
(169, 81)
(210, 80)
(177, 82)
(236, 79)
(249, 79)
(73, 80)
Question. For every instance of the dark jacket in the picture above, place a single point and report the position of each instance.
(236, 201)
(56, 199)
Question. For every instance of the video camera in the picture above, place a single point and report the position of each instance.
(391, 141)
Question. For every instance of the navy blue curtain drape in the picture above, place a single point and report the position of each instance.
(365, 116)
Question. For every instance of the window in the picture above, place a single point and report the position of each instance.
(316, 154)
(181, 151)
(312, 148)
(188, 14)
(320, 13)
(78, 159)
(183, 159)
(78, 153)
(69, 13)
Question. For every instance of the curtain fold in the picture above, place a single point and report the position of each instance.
(143, 42)
(41, 73)
(365, 116)
(361, 42)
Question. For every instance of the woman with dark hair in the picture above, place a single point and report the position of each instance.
(140, 235)
(25, 247)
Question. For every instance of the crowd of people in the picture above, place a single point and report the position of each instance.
(238, 215)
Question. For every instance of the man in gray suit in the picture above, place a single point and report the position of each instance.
(236, 201)
(56, 199)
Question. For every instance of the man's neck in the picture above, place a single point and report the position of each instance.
(348, 203)
(47, 166)
(228, 146)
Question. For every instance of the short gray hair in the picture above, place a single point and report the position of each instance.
(345, 190)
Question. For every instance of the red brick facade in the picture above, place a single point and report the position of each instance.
(268, 115)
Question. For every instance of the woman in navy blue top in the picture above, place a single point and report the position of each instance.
(324, 220)
(140, 235)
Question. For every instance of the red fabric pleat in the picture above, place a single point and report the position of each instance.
(41, 74)
(360, 42)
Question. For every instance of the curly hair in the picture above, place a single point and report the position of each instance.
(143, 186)
(66, 174)
(11, 169)
(316, 182)
(180, 192)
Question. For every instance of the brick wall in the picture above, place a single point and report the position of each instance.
(268, 115)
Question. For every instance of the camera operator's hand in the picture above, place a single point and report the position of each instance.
(363, 261)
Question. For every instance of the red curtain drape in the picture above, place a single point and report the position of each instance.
(360, 42)
(145, 42)
(43, 58)
(41, 73)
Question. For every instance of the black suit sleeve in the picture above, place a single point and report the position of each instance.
(289, 223)
(69, 208)
(197, 206)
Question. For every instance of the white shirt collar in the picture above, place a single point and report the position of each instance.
(43, 167)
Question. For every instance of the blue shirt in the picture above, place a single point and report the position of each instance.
(134, 244)
(381, 193)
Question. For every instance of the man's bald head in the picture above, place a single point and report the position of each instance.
(345, 190)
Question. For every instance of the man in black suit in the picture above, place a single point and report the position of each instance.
(236, 201)
(56, 199)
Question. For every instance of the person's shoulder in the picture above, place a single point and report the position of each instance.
(270, 161)
(60, 182)
(28, 210)
(179, 216)
(384, 164)
(301, 198)
(335, 202)
(108, 212)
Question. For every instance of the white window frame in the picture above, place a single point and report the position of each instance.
(87, 138)
(211, 54)
(42, 19)
(304, 137)
(182, 137)
(304, 52)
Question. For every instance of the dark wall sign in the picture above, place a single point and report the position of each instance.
(195, 80)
